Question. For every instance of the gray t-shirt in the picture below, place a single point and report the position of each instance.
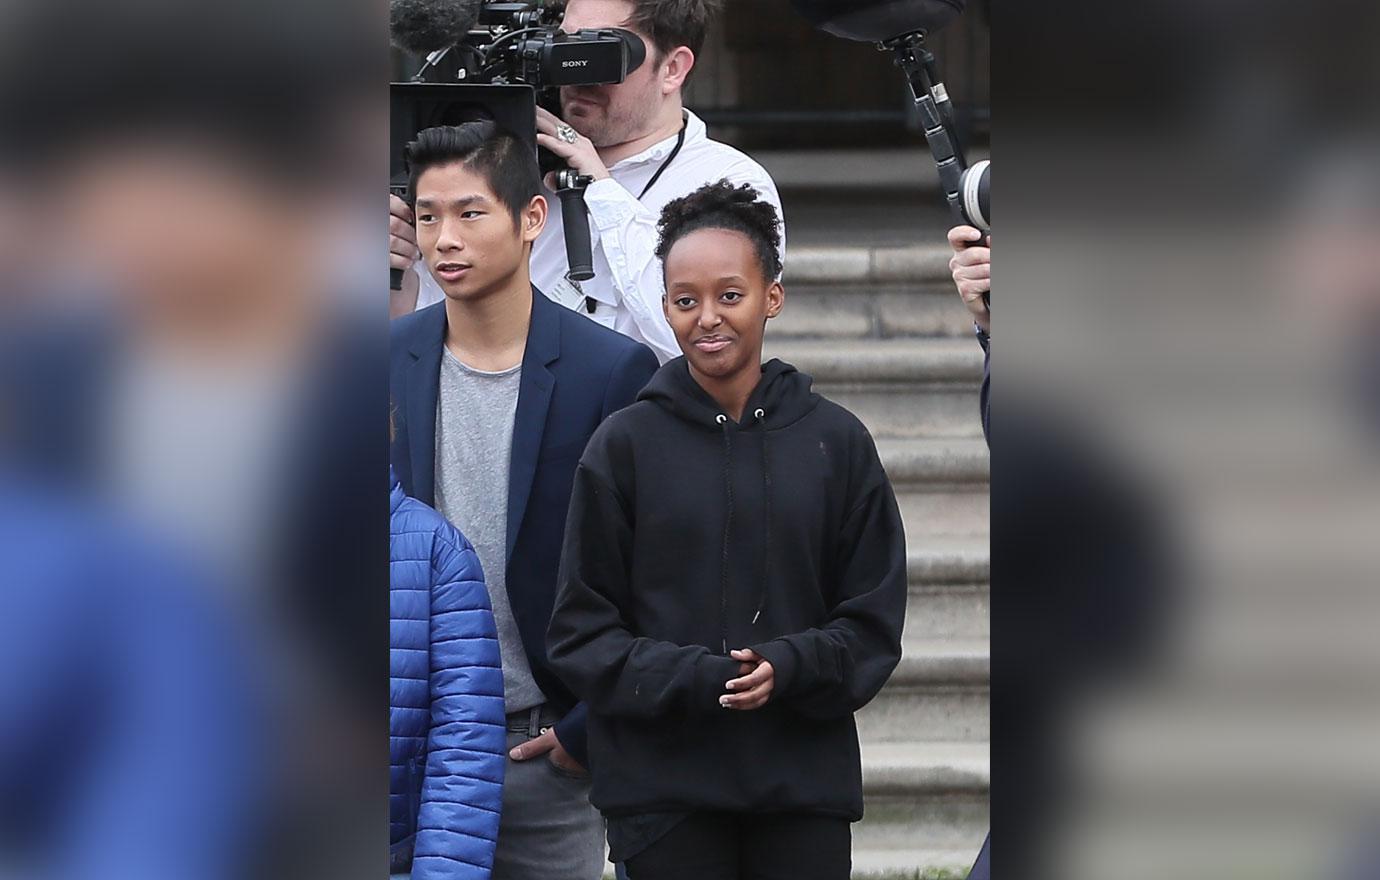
(474, 440)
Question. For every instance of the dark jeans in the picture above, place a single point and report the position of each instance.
(749, 846)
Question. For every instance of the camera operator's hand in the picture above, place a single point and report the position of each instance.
(971, 266)
(580, 155)
(402, 235)
(402, 254)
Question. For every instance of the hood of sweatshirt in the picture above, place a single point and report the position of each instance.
(782, 397)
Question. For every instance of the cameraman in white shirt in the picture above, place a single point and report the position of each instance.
(643, 149)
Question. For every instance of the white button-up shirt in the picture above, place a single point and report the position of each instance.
(627, 285)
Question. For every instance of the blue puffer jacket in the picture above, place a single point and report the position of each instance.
(445, 709)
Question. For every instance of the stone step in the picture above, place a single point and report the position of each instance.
(883, 361)
(862, 291)
(913, 387)
(918, 769)
(863, 310)
(862, 264)
(956, 611)
(939, 691)
(941, 487)
(958, 662)
(949, 563)
(910, 864)
(926, 806)
(884, 169)
(914, 464)
(949, 594)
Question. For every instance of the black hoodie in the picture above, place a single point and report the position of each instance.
(690, 535)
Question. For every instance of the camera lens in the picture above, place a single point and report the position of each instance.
(977, 195)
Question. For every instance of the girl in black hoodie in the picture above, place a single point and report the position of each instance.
(733, 582)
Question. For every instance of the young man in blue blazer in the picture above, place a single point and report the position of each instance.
(496, 391)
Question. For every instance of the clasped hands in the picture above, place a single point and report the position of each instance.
(753, 687)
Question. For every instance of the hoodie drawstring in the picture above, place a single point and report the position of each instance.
(766, 517)
(760, 415)
(728, 530)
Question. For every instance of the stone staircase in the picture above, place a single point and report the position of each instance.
(882, 331)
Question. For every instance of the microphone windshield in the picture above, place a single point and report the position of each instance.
(874, 21)
(423, 26)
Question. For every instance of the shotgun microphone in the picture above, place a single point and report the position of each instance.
(425, 26)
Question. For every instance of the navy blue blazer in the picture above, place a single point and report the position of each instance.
(575, 374)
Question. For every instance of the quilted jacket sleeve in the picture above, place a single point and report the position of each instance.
(457, 825)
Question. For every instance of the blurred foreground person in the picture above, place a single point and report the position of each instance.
(203, 379)
(130, 739)
(1085, 592)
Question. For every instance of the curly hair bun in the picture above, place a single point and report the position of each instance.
(722, 205)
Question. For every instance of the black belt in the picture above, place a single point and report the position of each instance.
(529, 721)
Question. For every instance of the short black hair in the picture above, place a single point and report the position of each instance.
(672, 23)
(507, 163)
(722, 205)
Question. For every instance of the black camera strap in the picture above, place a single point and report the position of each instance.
(590, 302)
(675, 151)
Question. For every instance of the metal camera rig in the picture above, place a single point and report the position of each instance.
(967, 188)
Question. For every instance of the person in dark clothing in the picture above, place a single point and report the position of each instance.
(732, 585)
(1088, 604)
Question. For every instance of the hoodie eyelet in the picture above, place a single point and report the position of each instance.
(721, 418)
(760, 414)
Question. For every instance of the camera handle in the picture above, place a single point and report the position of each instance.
(936, 117)
(570, 188)
(395, 276)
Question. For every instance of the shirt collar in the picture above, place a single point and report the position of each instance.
(695, 130)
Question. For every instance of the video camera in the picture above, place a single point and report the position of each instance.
(523, 43)
(498, 60)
